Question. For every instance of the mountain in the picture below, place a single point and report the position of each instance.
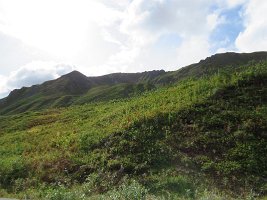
(213, 64)
(67, 89)
(197, 133)
(76, 88)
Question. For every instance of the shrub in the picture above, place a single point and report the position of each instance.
(131, 191)
(62, 193)
(12, 169)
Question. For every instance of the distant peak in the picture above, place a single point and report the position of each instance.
(75, 74)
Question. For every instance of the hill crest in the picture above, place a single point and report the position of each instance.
(75, 87)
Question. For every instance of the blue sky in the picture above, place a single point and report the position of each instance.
(225, 34)
(42, 40)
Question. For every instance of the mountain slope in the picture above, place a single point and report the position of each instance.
(76, 88)
(65, 90)
(180, 141)
(218, 62)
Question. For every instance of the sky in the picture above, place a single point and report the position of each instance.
(43, 39)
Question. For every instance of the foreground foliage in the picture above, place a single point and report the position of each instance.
(191, 140)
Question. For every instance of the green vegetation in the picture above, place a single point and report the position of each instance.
(76, 89)
(200, 138)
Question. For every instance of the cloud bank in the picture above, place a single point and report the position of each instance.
(32, 73)
(254, 37)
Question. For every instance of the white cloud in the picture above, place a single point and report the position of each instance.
(117, 4)
(144, 22)
(229, 4)
(254, 37)
(105, 36)
(14, 53)
(234, 3)
(193, 49)
(3, 88)
(33, 73)
(127, 43)
(59, 27)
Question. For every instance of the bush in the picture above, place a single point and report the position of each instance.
(12, 169)
(62, 193)
(131, 191)
(88, 141)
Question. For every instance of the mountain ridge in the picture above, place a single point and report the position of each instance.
(75, 87)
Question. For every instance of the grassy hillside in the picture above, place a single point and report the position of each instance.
(79, 89)
(75, 88)
(202, 138)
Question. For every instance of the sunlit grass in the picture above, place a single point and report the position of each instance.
(36, 145)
